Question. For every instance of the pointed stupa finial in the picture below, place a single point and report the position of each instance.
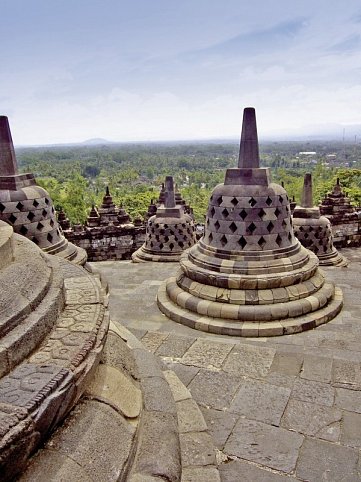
(107, 193)
(306, 200)
(169, 200)
(249, 152)
(338, 181)
(8, 163)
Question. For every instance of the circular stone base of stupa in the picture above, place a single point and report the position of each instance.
(253, 327)
(142, 255)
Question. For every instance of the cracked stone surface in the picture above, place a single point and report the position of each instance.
(278, 409)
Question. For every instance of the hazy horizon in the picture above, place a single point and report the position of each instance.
(138, 71)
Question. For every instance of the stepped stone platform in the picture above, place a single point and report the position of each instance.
(276, 409)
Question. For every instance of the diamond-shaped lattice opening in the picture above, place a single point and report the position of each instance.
(53, 210)
(161, 245)
(225, 213)
(310, 229)
(280, 199)
(243, 214)
(217, 225)
(162, 232)
(242, 242)
(261, 213)
(151, 244)
(157, 237)
(207, 222)
(252, 201)
(284, 224)
(315, 249)
(251, 228)
(47, 201)
(31, 216)
(49, 238)
(165, 226)
(212, 211)
(40, 226)
(305, 235)
(157, 225)
(35, 203)
(166, 239)
(23, 230)
(2, 208)
(223, 241)
(261, 241)
(171, 246)
(234, 201)
(277, 212)
(35, 240)
(210, 237)
(181, 244)
(152, 230)
(289, 236)
(44, 213)
(279, 240)
(268, 201)
(270, 227)
(233, 227)
(219, 200)
(12, 218)
(301, 228)
(19, 206)
(171, 232)
(51, 223)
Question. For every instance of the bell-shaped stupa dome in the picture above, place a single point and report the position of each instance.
(313, 230)
(27, 207)
(249, 275)
(169, 232)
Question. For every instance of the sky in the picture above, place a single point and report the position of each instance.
(140, 70)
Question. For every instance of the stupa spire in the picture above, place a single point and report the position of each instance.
(306, 201)
(249, 152)
(169, 200)
(8, 163)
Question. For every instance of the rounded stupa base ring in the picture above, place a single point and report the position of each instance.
(142, 255)
(249, 327)
(333, 259)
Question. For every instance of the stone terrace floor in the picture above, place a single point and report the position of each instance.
(279, 409)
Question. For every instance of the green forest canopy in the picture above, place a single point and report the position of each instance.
(76, 176)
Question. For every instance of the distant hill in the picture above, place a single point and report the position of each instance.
(96, 141)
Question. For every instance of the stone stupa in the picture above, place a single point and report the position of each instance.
(169, 232)
(249, 275)
(313, 230)
(27, 207)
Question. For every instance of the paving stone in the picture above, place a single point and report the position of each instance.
(348, 399)
(197, 449)
(190, 418)
(351, 429)
(249, 361)
(153, 340)
(266, 445)
(200, 474)
(324, 461)
(178, 389)
(280, 380)
(317, 368)
(287, 363)
(214, 389)
(175, 346)
(311, 419)
(239, 470)
(157, 395)
(206, 354)
(346, 374)
(315, 392)
(185, 373)
(261, 401)
(220, 424)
